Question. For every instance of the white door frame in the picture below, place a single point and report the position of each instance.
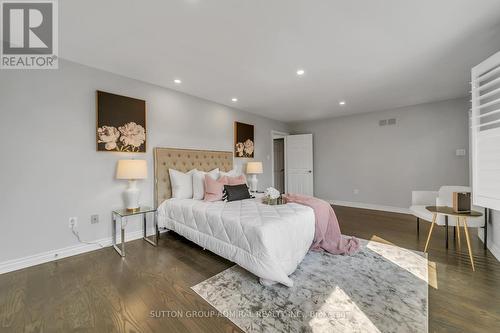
(278, 135)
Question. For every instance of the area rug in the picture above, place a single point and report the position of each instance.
(382, 288)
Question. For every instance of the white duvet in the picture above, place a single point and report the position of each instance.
(269, 241)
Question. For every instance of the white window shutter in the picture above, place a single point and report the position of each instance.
(485, 133)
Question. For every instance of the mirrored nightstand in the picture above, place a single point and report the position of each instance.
(122, 214)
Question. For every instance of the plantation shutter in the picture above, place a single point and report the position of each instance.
(485, 133)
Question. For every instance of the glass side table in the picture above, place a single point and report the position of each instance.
(124, 213)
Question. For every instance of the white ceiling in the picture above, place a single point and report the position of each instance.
(375, 54)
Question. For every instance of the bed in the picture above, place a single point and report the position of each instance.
(268, 241)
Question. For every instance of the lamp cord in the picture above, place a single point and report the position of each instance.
(77, 235)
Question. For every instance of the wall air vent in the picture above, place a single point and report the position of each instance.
(387, 122)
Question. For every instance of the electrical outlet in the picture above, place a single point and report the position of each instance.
(94, 219)
(355, 191)
(73, 221)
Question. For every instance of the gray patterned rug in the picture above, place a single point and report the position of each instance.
(382, 288)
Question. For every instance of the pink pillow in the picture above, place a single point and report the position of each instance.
(214, 188)
(237, 180)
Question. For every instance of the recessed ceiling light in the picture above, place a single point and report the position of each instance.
(234, 99)
(300, 72)
(342, 103)
(177, 81)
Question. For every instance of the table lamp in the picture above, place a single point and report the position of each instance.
(254, 169)
(132, 170)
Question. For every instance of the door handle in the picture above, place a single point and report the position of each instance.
(310, 171)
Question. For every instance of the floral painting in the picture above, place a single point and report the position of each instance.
(244, 145)
(121, 123)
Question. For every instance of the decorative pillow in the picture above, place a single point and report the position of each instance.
(214, 188)
(182, 184)
(199, 182)
(237, 180)
(232, 173)
(236, 192)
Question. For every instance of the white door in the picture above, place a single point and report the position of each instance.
(299, 164)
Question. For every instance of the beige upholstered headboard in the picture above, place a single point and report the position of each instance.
(185, 160)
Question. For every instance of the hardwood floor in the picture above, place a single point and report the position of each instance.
(100, 292)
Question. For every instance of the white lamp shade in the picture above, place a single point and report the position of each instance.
(254, 168)
(132, 169)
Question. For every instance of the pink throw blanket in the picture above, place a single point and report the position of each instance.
(327, 235)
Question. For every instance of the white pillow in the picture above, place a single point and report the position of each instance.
(182, 184)
(232, 173)
(199, 182)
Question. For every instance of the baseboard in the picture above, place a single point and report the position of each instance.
(494, 249)
(41, 258)
(370, 206)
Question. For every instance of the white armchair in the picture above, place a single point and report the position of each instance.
(420, 200)
(443, 197)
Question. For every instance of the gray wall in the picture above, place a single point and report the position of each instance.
(386, 163)
(50, 169)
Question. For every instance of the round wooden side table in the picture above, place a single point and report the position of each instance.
(461, 219)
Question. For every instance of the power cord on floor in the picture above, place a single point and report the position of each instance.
(77, 235)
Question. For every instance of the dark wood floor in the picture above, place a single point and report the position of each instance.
(100, 292)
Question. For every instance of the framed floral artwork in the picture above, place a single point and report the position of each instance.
(244, 144)
(121, 123)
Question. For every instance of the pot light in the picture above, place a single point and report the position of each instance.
(177, 81)
(342, 103)
(234, 99)
(300, 72)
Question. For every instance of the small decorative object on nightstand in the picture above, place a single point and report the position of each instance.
(125, 213)
(132, 170)
(254, 169)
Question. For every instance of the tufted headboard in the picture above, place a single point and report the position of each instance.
(185, 160)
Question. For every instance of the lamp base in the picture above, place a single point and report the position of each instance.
(133, 210)
(131, 196)
(253, 183)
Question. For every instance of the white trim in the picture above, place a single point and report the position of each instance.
(362, 205)
(53, 255)
(277, 135)
(494, 249)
